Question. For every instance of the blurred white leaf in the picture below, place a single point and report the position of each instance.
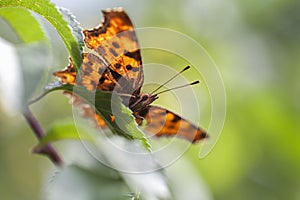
(103, 179)
(138, 167)
(22, 68)
(34, 60)
(11, 82)
(79, 183)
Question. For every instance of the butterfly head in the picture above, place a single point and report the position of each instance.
(140, 102)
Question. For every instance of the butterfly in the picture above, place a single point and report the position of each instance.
(114, 63)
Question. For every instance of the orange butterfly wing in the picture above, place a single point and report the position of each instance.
(163, 122)
(115, 41)
(114, 62)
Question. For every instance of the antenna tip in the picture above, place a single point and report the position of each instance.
(196, 82)
(186, 68)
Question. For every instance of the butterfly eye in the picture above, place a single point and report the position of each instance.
(144, 97)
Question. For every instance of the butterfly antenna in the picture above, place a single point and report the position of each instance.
(125, 95)
(174, 88)
(186, 68)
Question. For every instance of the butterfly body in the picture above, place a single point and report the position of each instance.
(114, 64)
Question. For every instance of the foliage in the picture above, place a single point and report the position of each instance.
(33, 52)
(106, 105)
(50, 12)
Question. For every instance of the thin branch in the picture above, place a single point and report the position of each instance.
(48, 149)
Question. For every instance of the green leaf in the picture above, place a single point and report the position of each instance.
(66, 129)
(20, 19)
(49, 11)
(106, 104)
(74, 25)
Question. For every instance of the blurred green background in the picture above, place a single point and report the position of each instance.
(256, 45)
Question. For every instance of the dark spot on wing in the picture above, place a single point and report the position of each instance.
(128, 67)
(171, 126)
(176, 118)
(94, 84)
(101, 50)
(89, 69)
(117, 65)
(113, 52)
(101, 70)
(115, 74)
(116, 45)
(89, 64)
(162, 113)
(93, 33)
(101, 80)
(135, 69)
(134, 54)
(86, 73)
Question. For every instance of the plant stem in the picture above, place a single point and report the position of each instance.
(48, 149)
